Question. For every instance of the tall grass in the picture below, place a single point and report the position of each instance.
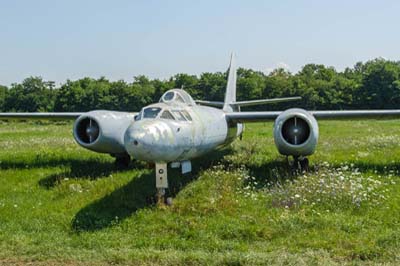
(61, 204)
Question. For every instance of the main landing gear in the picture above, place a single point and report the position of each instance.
(122, 160)
(300, 163)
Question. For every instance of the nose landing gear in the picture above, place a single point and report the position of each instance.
(162, 183)
(162, 179)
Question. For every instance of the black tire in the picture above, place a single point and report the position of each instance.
(304, 164)
(295, 166)
(123, 161)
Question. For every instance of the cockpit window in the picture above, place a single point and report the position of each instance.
(179, 115)
(187, 115)
(138, 116)
(167, 115)
(186, 97)
(178, 98)
(169, 96)
(151, 112)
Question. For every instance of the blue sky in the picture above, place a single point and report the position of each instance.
(61, 40)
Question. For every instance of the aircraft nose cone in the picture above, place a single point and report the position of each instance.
(149, 140)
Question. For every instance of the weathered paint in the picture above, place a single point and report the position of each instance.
(112, 126)
(165, 140)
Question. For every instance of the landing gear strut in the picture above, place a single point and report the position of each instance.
(161, 181)
(301, 163)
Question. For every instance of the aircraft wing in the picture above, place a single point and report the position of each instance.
(39, 115)
(246, 117)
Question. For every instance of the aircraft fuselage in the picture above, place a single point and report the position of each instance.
(173, 140)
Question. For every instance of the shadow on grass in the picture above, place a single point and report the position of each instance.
(116, 206)
(137, 194)
(44, 162)
(88, 169)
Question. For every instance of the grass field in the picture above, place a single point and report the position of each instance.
(61, 204)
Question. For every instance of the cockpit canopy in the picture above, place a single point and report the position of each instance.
(151, 112)
(172, 107)
(177, 96)
(163, 113)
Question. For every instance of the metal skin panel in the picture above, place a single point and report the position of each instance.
(186, 167)
(248, 117)
(163, 140)
(112, 126)
(161, 175)
(230, 93)
(303, 149)
(359, 114)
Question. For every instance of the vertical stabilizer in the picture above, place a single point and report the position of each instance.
(230, 93)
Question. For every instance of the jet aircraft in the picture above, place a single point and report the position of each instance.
(177, 128)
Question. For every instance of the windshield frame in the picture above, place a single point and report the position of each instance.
(150, 112)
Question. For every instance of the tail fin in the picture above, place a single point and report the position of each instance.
(230, 93)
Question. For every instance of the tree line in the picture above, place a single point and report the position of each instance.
(374, 84)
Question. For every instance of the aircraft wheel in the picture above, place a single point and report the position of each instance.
(294, 165)
(123, 161)
(304, 164)
(168, 201)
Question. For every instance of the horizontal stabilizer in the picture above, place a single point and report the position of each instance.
(265, 101)
(249, 103)
(210, 103)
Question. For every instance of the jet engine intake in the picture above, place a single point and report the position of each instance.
(103, 131)
(87, 130)
(296, 133)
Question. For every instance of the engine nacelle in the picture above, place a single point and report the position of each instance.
(103, 131)
(296, 132)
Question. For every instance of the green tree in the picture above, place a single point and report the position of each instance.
(250, 84)
(32, 95)
(70, 97)
(374, 84)
(3, 93)
(189, 83)
(212, 86)
(380, 85)
(161, 86)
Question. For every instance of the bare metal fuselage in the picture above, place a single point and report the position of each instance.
(163, 140)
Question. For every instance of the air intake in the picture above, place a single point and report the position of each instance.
(295, 130)
(87, 130)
